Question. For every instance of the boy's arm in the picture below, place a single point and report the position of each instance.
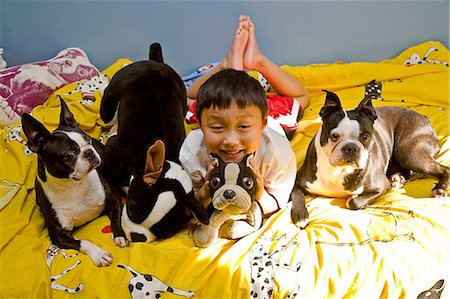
(276, 187)
(268, 203)
(199, 174)
(202, 195)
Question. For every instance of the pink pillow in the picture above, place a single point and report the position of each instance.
(24, 87)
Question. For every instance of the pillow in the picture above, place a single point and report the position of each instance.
(84, 101)
(24, 87)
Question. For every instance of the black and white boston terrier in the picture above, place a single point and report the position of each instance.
(70, 186)
(360, 154)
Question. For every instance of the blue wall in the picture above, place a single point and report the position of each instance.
(193, 33)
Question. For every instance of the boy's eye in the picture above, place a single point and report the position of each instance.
(245, 126)
(216, 127)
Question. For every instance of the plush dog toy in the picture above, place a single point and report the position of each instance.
(235, 212)
(150, 99)
(158, 198)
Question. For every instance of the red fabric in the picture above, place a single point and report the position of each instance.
(281, 108)
(191, 118)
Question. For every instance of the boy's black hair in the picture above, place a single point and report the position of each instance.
(229, 85)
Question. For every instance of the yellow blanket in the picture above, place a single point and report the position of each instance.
(395, 248)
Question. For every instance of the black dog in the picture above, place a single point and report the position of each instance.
(70, 186)
(150, 98)
(355, 152)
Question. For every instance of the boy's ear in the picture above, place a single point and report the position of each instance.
(264, 122)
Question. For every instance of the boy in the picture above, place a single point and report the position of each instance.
(232, 113)
(244, 54)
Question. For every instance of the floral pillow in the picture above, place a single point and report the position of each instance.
(24, 87)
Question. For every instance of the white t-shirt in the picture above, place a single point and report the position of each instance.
(274, 158)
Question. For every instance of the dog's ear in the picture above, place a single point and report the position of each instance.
(331, 106)
(35, 132)
(154, 162)
(66, 117)
(156, 53)
(366, 107)
(246, 159)
(218, 158)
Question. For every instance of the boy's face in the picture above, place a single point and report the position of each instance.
(231, 133)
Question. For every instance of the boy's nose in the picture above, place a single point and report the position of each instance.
(231, 138)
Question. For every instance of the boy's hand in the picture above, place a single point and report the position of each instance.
(259, 179)
(267, 202)
(202, 195)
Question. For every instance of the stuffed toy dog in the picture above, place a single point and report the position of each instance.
(158, 198)
(150, 100)
(234, 211)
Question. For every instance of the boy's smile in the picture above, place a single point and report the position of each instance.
(233, 132)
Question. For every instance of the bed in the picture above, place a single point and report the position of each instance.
(398, 247)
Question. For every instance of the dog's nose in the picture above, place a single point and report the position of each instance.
(350, 150)
(229, 194)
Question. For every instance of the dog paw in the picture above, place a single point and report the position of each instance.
(397, 180)
(238, 229)
(439, 192)
(100, 257)
(205, 235)
(300, 217)
(353, 204)
(121, 242)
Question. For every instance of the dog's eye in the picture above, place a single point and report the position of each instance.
(365, 136)
(214, 182)
(70, 156)
(248, 182)
(334, 137)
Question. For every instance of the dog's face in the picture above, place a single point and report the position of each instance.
(67, 152)
(345, 136)
(232, 186)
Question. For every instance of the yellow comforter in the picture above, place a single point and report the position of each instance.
(396, 248)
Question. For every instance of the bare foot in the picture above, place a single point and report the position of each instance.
(252, 55)
(234, 57)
